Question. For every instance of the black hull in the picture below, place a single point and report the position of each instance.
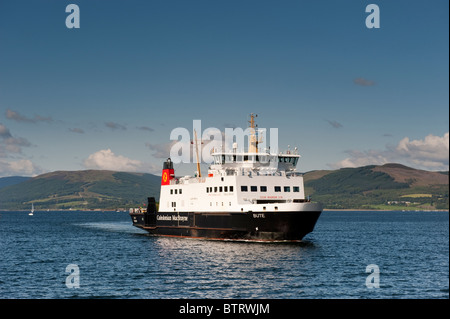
(250, 226)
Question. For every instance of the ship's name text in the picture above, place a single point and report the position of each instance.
(259, 216)
(172, 217)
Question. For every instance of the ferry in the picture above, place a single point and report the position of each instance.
(245, 196)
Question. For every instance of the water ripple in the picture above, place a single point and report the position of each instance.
(117, 260)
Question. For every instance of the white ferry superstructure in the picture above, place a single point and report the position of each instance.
(249, 196)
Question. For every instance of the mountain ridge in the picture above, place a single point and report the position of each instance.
(85, 190)
(388, 186)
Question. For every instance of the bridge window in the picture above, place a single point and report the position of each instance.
(287, 189)
(263, 188)
(244, 189)
(254, 188)
(296, 189)
(277, 189)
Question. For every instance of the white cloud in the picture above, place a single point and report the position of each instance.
(358, 158)
(107, 160)
(10, 151)
(9, 143)
(22, 167)
(430, 153)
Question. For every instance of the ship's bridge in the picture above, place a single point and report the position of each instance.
(271, 163)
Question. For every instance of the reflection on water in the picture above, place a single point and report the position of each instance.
(203, 268)
(216, 269)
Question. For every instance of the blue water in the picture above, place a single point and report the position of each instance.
(117, 260)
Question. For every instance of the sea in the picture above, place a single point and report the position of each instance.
(349, 255)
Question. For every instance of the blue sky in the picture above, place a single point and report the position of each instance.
(107, 95)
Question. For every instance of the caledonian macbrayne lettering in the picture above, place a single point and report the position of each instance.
(173, 217)
(233, 308)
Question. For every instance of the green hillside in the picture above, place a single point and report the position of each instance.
(90, 189)
(390, 186)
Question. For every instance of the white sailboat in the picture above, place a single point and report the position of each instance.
(32, 210)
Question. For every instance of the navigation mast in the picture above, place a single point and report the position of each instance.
(196, 150)
(253, 145)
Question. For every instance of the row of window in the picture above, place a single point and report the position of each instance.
(219, 189)
(244, 188)
(226, 159)
(277, 189)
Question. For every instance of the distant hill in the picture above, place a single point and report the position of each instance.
(12, 180)
(89, 189)
(413, 177)
(389, 186)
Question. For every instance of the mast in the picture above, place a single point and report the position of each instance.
(196, 150)
(253, 145)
